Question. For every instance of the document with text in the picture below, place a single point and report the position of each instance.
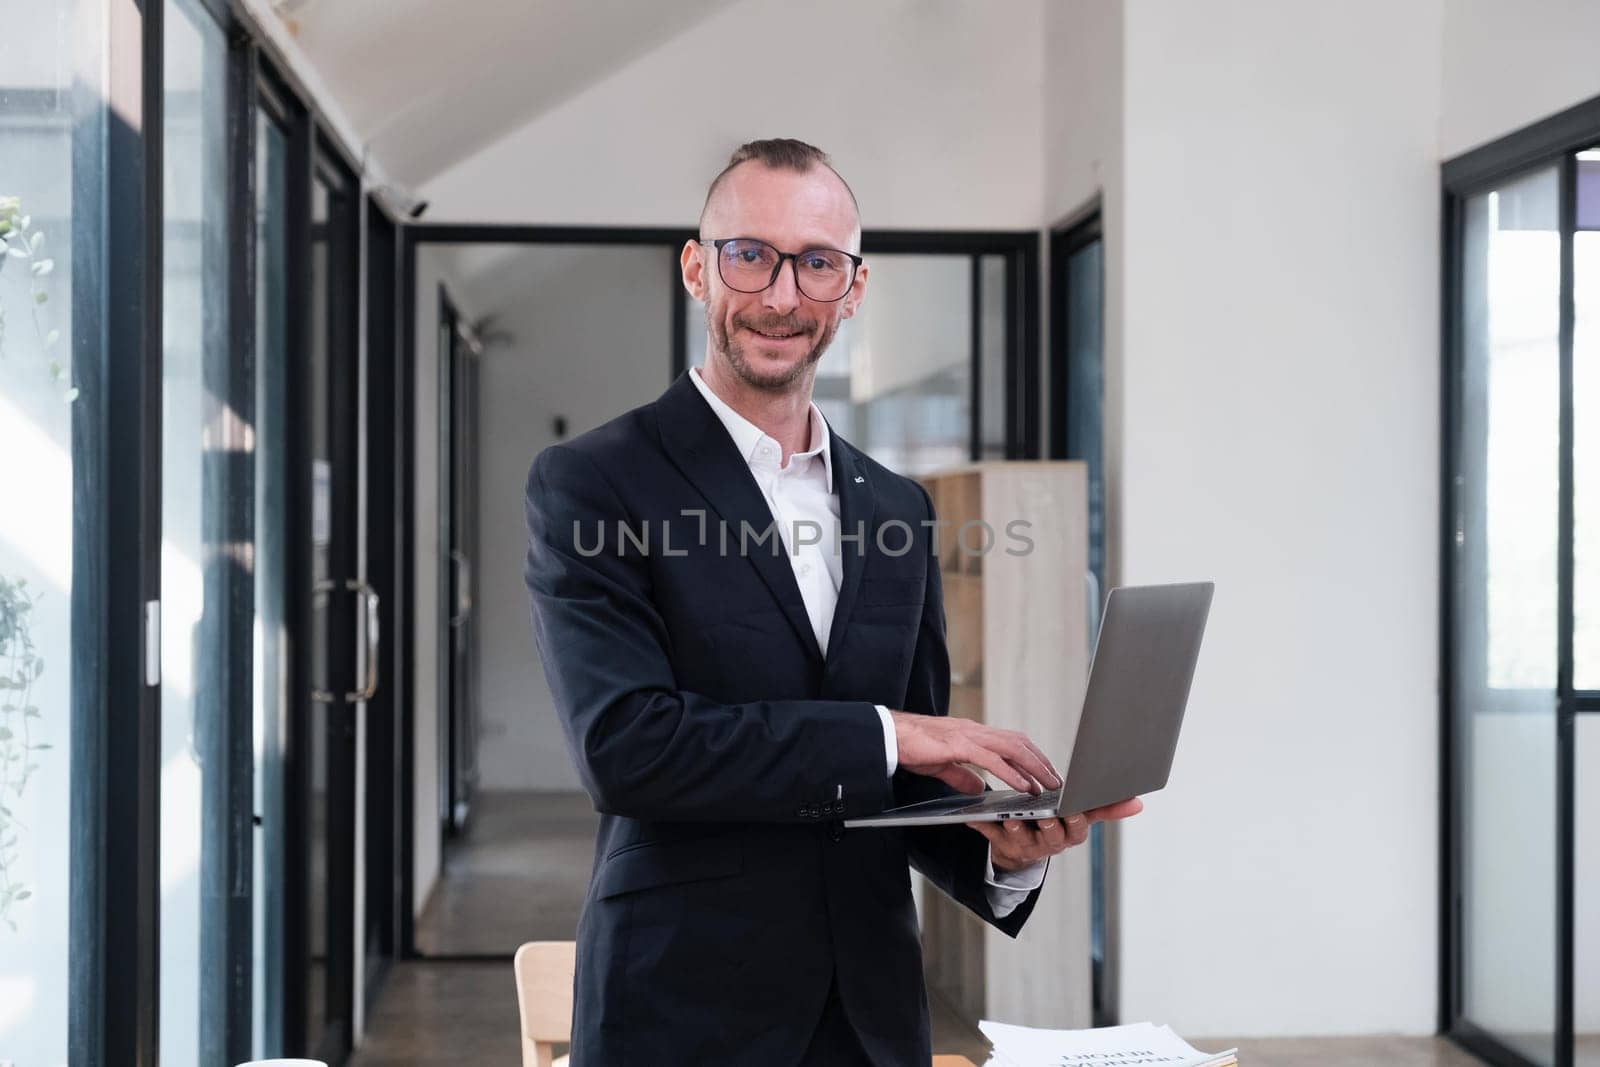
(1135, 1045)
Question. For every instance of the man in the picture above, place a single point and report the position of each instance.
(741, 657)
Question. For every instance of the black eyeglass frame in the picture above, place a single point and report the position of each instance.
(855, 266)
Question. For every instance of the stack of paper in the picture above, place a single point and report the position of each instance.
(1108, 1046)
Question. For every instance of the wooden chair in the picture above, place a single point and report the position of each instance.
(544, 999)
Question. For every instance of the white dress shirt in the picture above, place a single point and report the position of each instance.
(802, 499)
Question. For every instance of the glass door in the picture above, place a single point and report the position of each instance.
(328, 704)
(1520, 597)
(1504, 685)
(458, 511)
(312, 614)
(272, 648)
(205, 580)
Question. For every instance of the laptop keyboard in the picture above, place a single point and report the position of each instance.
(993, 801)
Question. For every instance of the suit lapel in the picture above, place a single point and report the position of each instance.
(857, 506)
(699, 445)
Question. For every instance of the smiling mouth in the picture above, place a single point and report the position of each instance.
(774, 336)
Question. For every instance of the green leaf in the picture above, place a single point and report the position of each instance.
(25, 894)
(40, 297)
(5, 733)
(43, 267)
(42, 746)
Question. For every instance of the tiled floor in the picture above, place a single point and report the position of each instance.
(446, 1014)
(518, 875)
(521, 877)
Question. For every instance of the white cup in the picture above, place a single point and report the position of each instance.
(283, 1063)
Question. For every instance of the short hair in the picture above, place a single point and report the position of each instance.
(779, 153)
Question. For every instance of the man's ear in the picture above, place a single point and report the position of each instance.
(857, 293)
(693, 265)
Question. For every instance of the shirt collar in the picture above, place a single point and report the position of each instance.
(747, 436)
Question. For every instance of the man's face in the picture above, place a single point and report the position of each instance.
(773, 339)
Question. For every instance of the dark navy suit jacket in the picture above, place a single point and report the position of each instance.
(722, 748)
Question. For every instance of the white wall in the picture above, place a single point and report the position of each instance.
(930, 109)
(433, 269)
(1083, 100)
(1507, 65)
(1280, 435)
(592, 337)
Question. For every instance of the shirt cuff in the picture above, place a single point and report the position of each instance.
(891, 749)
(1007, 889)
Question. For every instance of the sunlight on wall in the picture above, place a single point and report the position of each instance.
(41, 532)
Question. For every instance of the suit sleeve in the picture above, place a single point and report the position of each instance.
(643, 747)
(953, 856)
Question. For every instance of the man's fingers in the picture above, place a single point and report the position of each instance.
(997, 765)
(1122, 809)
(1051, 777)
(1052, 834)
(1021, 754)
(962, 779)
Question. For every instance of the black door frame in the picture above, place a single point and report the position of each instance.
(1551, 142)
(452, 807)
(383, 542)
(1068, 237)
(345, 207)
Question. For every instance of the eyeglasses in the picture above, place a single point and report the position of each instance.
(747, 265)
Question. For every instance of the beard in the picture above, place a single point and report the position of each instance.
(738, 353)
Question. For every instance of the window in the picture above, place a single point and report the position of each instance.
(204, 551)
(1521, 547)
(49, 433)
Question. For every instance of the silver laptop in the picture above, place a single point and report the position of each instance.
(1139, 678)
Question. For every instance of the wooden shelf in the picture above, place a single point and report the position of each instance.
(1015, 629)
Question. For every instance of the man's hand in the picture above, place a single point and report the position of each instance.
(1015, 843)
(937, 746)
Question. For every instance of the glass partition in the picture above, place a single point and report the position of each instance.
(52, 142)
(1506, 536)
(897, 380)
(1586, 426)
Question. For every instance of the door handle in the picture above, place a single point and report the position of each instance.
(463, 605)
(371, 647)
(370, 644)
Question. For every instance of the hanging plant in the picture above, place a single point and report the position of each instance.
(21, 240)
(20, 667)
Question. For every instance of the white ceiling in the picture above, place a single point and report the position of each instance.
(427, 83)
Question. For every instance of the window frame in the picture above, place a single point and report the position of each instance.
(1551, 142)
